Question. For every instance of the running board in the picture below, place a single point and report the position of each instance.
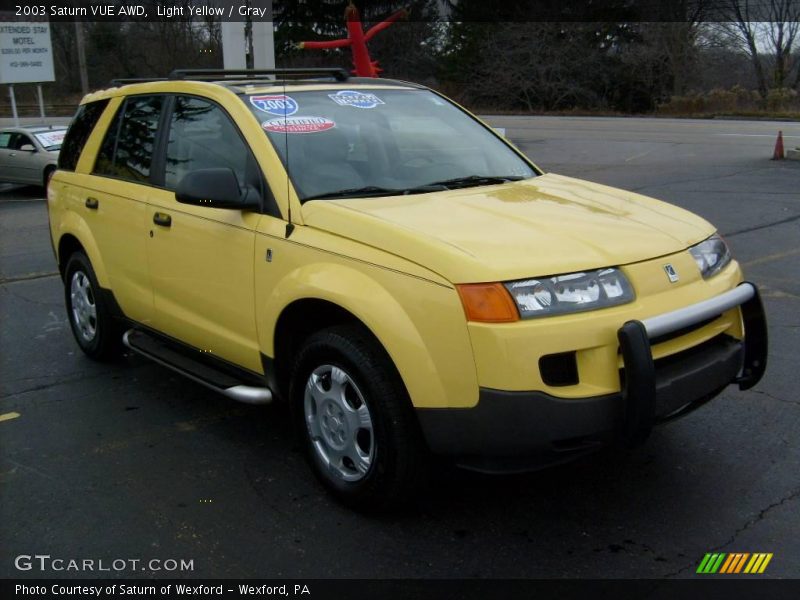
(217, 379)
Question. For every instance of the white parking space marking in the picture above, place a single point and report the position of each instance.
(771, 257)
(640, 155)
(769, 135)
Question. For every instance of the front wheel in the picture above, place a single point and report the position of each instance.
(355, 420)
(92, 325)
(47, 176)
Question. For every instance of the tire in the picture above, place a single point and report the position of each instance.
(92, 325)
(48, 174)
(364, 442)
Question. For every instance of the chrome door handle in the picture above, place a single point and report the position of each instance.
(92, 203)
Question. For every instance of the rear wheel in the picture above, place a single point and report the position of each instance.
(92, 325)
(355, 420)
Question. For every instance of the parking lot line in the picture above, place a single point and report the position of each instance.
(770, 258)
(9, 416)
(770, 135)
(28, 276)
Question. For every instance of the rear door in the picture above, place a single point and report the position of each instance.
(201, 258)
(114, 202)
(5, 142)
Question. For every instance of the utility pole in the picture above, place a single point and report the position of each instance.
(81, 57)
(263, 38)
(251, 44)
(248, 36)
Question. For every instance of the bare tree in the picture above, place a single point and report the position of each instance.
(152, 48)
(541, 65)
(675, 37)
(796, 61)
(64, 55)
(771, 23)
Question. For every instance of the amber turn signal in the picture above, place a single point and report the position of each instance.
(487, 303)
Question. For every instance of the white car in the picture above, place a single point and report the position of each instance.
(29, 155)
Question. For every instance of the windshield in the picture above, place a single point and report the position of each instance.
(51, 140)
(377, 142)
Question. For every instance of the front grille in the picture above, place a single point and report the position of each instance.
(714, 344)
(678, 332)
(686, 379)
(688, 356)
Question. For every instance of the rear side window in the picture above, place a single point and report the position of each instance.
(79, 131)
(127, 150)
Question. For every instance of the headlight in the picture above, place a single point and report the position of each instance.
(711, 256)
(570, 293)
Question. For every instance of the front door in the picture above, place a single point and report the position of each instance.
(201, 259)
(20, 165)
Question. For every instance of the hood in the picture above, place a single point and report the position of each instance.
(547, 225)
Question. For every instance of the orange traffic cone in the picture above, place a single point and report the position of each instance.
(778, 154)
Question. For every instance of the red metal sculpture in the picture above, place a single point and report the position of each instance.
(357, 39)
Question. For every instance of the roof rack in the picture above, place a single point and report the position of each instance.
(255, 74)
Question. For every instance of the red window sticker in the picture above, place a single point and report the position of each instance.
(298, 125)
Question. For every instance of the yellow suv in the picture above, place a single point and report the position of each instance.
(408, 281)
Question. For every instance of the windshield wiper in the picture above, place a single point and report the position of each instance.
(474, 180)
(447, 184)
(372, 191)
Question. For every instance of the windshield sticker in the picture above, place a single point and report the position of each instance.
(357, 99)
(51, 138)
(298, 125)
(275, 104)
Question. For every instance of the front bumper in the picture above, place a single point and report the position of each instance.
(516, 431)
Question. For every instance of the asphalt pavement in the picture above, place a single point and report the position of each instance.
(130, 461)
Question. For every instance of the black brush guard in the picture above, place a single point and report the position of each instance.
(639, 373)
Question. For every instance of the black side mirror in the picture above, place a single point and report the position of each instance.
(216, 188)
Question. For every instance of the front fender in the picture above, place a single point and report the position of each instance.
(420, 324)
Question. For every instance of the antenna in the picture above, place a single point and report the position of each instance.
(289, 225)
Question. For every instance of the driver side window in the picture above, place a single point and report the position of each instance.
(18, 140)
(202, 136)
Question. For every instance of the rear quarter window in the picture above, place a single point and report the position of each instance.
(79, 131)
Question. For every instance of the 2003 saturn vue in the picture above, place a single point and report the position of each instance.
(406, 279)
